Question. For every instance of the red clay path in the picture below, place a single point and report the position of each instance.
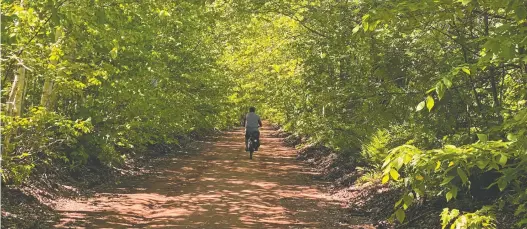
(217, 188)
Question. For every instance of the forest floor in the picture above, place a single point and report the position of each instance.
(217, 186)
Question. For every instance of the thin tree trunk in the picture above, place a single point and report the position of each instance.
(494, 87)
(12, 95)
(46, 93)
(47, 99)
(14, 102)
(18, 100)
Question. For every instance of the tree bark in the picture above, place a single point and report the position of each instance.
(47, 100)
(12, 94)
(19, 94)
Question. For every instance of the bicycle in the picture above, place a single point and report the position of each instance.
(252, 143)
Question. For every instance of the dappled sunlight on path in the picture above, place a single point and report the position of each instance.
(218, 188)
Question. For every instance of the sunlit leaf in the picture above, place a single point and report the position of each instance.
(483, 138)
(385, 179)
(466, 70)
(394, 174)
(503, 160)
(429, 103)
(438, 165)
(356, 29)
(420, 106)
(448, 196)
(447, 82)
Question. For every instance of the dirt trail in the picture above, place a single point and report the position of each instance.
(217, 188)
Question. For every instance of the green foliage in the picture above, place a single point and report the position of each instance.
(480, 219)
(142, 73)
(370, 176)
(377, 148)
(341, 71)
(447, 171)
(353, 75)
(37, 139)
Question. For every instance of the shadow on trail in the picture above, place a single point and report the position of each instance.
(219, 188)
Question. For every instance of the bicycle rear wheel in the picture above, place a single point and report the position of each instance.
(250, 146)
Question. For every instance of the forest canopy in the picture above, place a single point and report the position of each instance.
(431, 95)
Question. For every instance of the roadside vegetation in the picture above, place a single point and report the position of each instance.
(429, 96)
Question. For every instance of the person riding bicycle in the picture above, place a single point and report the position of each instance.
(252, 123)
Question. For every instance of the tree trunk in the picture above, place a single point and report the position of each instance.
(11, 98)
(14, 102)
(45, 100)
(47, 92)
(18, 100)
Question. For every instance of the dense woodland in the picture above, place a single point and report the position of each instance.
(430, 95)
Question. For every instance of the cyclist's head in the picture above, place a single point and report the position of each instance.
(252, 109)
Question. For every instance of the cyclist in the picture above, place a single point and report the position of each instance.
(252, 123)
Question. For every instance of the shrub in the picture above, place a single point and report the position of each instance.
(37, 139)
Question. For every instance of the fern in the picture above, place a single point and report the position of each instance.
(376, 150)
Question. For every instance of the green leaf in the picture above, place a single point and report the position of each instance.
(385, 179)
(356, 29)
(438, 165)
(447, 82)
(407, 158)
(507, 50)
(408, 201)
(483, 138)
(512, 137)
(482, 164)
(492, 45)
(493, 165)
(440, 89)
(398, 203)
(465, 69)
(447, 180)
(386, 162)
(502, 184)
(522, 222)
(398, 163)
(394, 174)
(420, 106)
(465, 2)
(164, 13)
(462, 175)
(365, 25)
(448, 196)
(503, 160)
(452, 193)
(400, 215)
(430, 90)
(519, 210)
(374, 25)
(429, 103)
(276, 68)
(113, 53)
